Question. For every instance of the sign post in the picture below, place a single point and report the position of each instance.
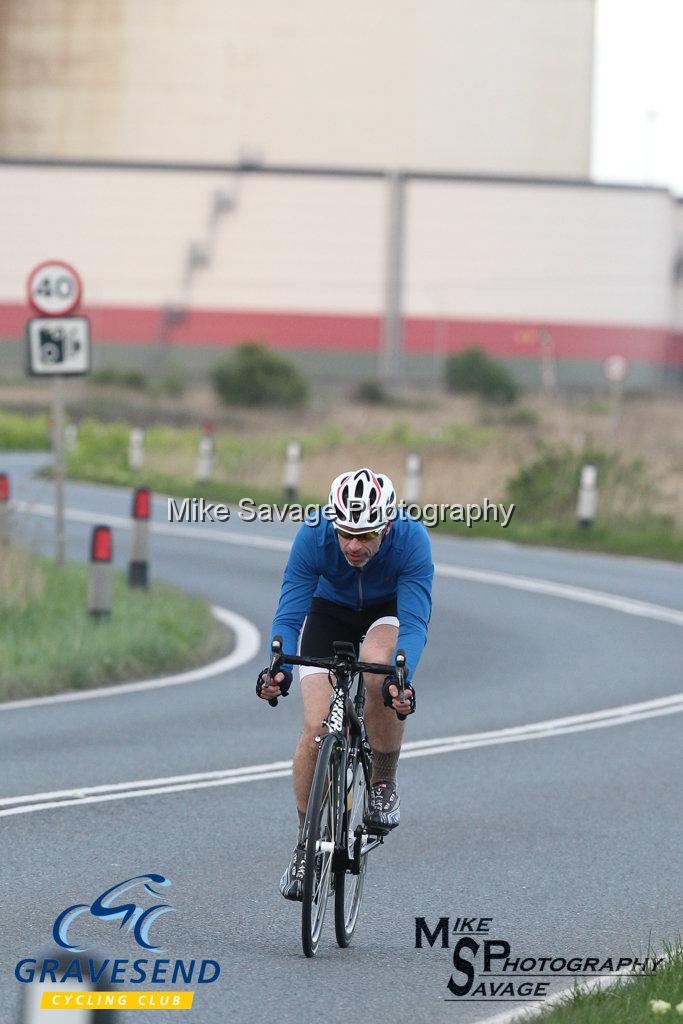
(616, 369)
(58, 346)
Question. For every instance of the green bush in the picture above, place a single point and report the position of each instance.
(100, 444)
(120, 378)
(254, 375)
(473, 370)
(371, 392)
(28, 433)
(545, 490)
(171, 383)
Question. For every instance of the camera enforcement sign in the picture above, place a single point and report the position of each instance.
(58, 346)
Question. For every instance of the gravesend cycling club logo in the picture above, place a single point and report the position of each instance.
(133, 906)
(485, 969)
(138, 919)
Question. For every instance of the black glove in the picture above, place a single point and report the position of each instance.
(261, 681)
(409, 693)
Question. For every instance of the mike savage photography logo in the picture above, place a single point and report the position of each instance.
(484, 968)
(201, 510)
(71, 980)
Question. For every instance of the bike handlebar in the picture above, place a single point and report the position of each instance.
(341, 659)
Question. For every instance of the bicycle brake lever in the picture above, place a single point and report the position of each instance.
(401, 675)
(276, 649)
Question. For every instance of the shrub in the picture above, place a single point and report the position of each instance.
(171, 383)
(371, 392)
(254, 375)
(546, 489)
(120, 378)
(24, 432)
(473, 370)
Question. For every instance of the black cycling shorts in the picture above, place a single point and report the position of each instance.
(327, 622)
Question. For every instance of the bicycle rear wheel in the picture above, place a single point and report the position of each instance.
(321, 818)
(348, 887)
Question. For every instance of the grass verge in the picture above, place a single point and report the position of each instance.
(641, 1000)
(49, 643)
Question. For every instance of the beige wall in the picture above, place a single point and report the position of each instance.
(509, 251)
(472, 249)
(500, 86)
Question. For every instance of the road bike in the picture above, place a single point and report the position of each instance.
(335, 835)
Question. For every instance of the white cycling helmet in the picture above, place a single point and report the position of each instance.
(361, 501)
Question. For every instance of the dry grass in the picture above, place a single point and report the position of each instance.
(22, 578)
(651, 428)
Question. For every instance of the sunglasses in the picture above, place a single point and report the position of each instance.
(358, 536)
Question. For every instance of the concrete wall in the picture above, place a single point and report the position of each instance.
(500, 86)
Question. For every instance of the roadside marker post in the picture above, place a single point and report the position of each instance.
(291, 477)
(616, 369)
(136, 448)
(205, 452)
(587, 501)
(41, 998)
(4, 510)
(412, 485)
(99, 589)
(71, 436)
(138, 575)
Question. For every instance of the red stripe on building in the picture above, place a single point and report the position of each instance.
(348, 332)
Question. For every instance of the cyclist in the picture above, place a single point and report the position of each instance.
(359, 573)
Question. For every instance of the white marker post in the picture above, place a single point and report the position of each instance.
(587, 501)
(136, 448)
(291, 477)
(616, 369)
(204, 468)
(412, 484)
(58, 346)
(71, 436)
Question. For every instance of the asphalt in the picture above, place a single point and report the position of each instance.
(571, 843)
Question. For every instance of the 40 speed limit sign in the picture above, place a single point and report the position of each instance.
(54, 288)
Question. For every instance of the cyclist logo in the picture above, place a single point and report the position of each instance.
(139, 919)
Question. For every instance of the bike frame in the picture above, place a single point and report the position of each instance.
(345, 720)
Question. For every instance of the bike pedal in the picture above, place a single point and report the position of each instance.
(377, 830)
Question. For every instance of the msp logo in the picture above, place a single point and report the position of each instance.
(138, 919)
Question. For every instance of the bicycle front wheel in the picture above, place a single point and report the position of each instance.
(321, 818)
(348, 887)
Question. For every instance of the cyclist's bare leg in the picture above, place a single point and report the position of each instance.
(316, 694)
(385, 731)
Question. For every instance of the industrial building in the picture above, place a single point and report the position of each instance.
(219, 172)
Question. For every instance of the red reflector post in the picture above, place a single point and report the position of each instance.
(142, 503)
(4, 487)
(101, 544)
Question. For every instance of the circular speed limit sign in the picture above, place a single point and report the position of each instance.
(54, 288)
(616, 368)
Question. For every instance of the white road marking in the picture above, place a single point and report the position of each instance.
(248, 644)
(627, 713)
(568, 592)
(615, 602)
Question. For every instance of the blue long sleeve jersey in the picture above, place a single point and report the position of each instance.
(402, 568)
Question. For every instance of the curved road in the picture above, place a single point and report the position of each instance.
(568, 836)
